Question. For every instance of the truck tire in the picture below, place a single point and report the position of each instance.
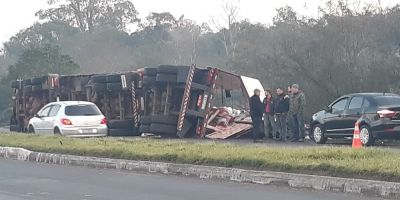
(27, 82)
(36, 88)
(170, 78)
(145, 120)
(28, 89)
(121, 124)
(100, 87)
(149, 80)
(114, 87)
(15, 84)
(150, 71)
(144, 129)
(164, 119)
(99, 79)
(167, 69)
(37, 80)
(163, 129)
(123, 132)
(113, 78)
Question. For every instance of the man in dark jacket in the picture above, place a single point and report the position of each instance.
(256, 113)
(281, 113)
(296, 110)
(269, 117)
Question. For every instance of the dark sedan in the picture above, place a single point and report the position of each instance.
(378, 115)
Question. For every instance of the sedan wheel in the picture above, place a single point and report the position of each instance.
(31, 129)
(366, 136)
(318, 135)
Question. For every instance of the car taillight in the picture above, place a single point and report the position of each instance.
(66, 122)
(103, 121)
(386, 114)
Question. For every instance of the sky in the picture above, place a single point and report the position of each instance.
(16, 15)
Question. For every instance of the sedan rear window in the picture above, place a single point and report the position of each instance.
(387, 100)
(82, 110)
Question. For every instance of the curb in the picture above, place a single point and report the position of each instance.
(299, 181)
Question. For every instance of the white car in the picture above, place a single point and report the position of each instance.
(69, 118)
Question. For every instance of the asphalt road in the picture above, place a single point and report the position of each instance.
(33, 181)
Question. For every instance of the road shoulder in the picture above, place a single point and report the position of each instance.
(301, 181)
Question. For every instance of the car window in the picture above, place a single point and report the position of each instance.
(339, 106)
(355, 105)
(368, 107)
(82, 110)
(387, 100)
(45, 112)
(54, 110)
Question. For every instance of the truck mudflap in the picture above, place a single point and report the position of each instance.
(134, 105)
(185, 101)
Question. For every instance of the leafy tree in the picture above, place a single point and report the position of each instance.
(41, 61)
(88, 15)
(35, 61)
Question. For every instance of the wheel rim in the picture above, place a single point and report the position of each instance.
(317, 134)
(364, 135)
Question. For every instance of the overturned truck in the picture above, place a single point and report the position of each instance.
(170, 101)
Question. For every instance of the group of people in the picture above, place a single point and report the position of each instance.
(278, 111)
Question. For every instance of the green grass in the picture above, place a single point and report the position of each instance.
(374, 163)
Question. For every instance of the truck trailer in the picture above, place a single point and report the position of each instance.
(167, 100)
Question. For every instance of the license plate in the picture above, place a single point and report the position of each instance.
(87, 131)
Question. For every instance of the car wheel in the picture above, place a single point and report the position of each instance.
(31, 129)
(57, 132)
(318, 134)
(366, 136)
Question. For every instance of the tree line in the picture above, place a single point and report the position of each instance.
(344, 50)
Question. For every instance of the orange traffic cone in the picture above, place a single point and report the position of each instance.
(356, 137)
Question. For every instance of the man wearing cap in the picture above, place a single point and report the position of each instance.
(256, 113)
(296, 110)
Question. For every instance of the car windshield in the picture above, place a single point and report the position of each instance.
(82, 110)
(388, 100)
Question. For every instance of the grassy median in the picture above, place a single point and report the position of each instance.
(332, 161)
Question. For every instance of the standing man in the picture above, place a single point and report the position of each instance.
(296, 110)
(256, 113)
(281, 113)
(269, 117)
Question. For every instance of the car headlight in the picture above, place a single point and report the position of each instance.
(314, 117)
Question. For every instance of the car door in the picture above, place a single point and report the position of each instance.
(333, 120)
(41, 116)
(50, 120)
(352, 114)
